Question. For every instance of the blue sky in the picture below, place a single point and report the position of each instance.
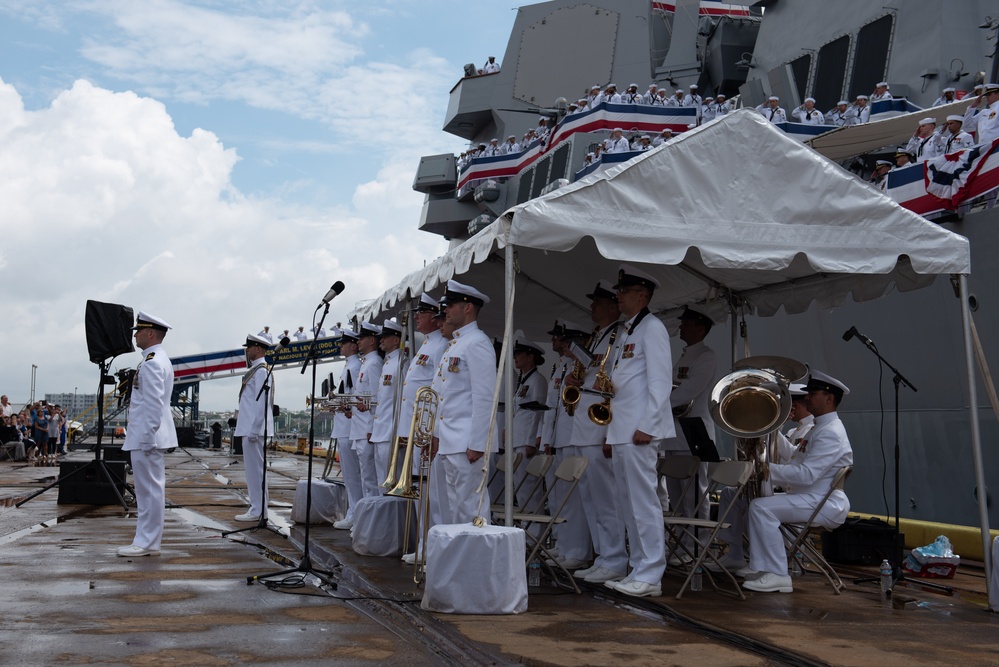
(218, 167)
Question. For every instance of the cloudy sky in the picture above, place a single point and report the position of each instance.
(217, 167)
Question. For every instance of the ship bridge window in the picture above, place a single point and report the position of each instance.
(830, 72)
(800, 68)
(871, 60)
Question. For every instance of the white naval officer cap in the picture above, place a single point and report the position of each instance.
(927, 121)
(628, 275)
(819, 381)
(522, 344)
(146, 321)
(603, 290)
(459, 293)
(797, 389)
(390, 328)
(369, 329)
(258, 341)
(883, 163)
(427, 304)
(990, 88)
(350, 336)
(956, 117)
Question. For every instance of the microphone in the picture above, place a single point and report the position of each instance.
(853, 333)
(334, 291)
(283, 344)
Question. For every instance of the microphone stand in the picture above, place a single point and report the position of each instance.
(265, 391)
(305, 565)
(898, 574)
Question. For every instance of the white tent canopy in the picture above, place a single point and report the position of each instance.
(735, 208)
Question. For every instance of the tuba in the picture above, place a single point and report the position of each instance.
(751, 403)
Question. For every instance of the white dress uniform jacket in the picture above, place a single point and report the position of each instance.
(533, 387)
(366, 384)
(857, 115)
(584, 430)
(813, 117)
(556, 425)
(420, 374)
(695, 376)
(351, 369)
(777, 115)
(253, 413)
(955, 142)
(642, 375)
(465, 381)
(384, 419)
(986, 122)
(150, 424)
(925, 147)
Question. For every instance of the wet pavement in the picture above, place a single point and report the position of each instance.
(68, 599)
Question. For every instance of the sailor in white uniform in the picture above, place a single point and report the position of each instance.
(982, 115)
(693, 100)
(350, 465)
(465, 381)
(806, 479)
(838, 116)
(947, 95)
(491, 67)
(529, 395)
(362, 420)
(808, 114)
(772, 111)
(925, 143)
(597, 488)
(254, 422)
(385, 420)
(266, 334)
(953, 137)
(858, 113)
(721, 106)
(881, 92)
(641, 372)
(617, 143)
(150, 431)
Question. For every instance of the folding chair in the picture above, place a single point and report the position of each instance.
(537, 466)
(796, 536)
(568, 474)
(500, 467)
(683, 468)
(704, 531)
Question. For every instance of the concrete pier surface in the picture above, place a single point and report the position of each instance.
(68, 599)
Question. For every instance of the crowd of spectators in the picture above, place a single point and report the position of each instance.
(37, 433)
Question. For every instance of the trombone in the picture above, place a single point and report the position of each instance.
(421, 434)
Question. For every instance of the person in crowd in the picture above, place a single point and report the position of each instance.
(903, 158)
(808, 114)
(383, 428)
(491, 66)
(617, 143)
(510, 146)
(858, 113)
(350, 465)
(266, 334)
(881, 169)
(300, 334)
(947, 95)
(722, 107)
(708, 109)
(254, 423)
(150, 431)
(664, 135)
(925, 141)
(493, 149)
(838, 115)
(677, 99)
(880, 92)
(982, 115)
(806, 480)
(366, 388)
(772, 111)
(5, 407)
(651, 95)
(953, 137)
(632, 96)
(661, 98)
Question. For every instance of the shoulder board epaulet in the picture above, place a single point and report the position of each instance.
(150, 356)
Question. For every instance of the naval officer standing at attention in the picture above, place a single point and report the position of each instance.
(642, 375)
(465, 382)
(150, 431)
(254, 421)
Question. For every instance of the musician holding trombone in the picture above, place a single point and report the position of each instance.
(389, 383)
(350, 466)
(362, 420)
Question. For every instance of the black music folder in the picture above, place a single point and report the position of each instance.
(698, 440)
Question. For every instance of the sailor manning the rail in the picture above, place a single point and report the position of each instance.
(806, 479)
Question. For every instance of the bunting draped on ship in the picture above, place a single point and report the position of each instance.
(944, 183)
(707, 8)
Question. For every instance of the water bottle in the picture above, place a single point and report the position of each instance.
(697, 581)
(886, 581)
(534, 573)
(796, 569)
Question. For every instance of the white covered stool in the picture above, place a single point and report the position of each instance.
(380, 526)
(329, 502)
(475, 570)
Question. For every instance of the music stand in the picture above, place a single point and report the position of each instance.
(305, 565)
(898, 574)
(265, 391)
(108, 335)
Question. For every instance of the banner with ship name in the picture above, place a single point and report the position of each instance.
(944, 183)
(195, 367)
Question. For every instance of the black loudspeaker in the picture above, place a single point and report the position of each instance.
(237, 445)
(115, 453)
(89, 486)
(185, 436)
(860, 541)
(109, 330)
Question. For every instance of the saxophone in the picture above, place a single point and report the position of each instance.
(571, 394)
(601, 413)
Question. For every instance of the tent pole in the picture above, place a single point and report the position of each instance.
(508, 388)
(976, 436)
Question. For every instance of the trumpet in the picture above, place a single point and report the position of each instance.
(601, 413)
(335, 403)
